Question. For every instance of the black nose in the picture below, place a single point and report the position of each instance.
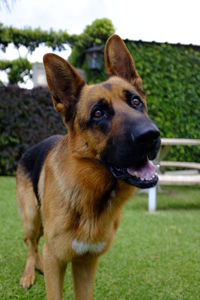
(145, 133)
(146, 138)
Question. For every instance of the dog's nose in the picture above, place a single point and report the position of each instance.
(146, 139)
(145, 133)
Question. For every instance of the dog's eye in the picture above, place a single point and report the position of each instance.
(135, 102)
(98, 114)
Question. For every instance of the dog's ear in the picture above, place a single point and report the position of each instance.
(64, 82)
(119, 62)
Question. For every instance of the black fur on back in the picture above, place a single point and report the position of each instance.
(33, 160)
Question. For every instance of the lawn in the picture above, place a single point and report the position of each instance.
(155, 256)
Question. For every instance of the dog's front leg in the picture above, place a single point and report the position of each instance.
(54, 272)
(84, 270)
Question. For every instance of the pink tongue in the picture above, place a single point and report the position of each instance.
(146, 172)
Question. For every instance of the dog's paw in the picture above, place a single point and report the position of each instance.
(27, 280)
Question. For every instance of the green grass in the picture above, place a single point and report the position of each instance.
(155, 256)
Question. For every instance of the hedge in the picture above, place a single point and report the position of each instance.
(27, 117)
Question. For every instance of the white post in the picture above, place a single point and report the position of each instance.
(152, 199)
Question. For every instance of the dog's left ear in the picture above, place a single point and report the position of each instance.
(119, 62)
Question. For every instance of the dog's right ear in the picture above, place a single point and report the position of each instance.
(64, 82)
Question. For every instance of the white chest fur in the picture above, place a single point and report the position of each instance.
(82, 248)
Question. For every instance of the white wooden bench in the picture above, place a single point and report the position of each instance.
(174, 178)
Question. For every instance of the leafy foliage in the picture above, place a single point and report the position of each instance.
(32, 38)
(16, 69)
(96, 33)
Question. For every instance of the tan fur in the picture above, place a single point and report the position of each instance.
(73, 182)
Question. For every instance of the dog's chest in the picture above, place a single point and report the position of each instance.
(93, 230)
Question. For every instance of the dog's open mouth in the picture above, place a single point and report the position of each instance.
(142, 177)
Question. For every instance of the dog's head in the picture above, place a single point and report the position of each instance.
(108, 121)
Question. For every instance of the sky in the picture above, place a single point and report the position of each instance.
(172, 21)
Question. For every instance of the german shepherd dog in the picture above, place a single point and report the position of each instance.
(72, 188)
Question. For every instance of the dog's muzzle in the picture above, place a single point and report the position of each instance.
(132, 160)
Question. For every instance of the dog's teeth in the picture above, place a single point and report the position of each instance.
(145, 178)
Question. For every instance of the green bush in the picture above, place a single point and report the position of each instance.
(27, 117)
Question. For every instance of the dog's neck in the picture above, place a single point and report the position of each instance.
(95, 184)
(92, 188)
